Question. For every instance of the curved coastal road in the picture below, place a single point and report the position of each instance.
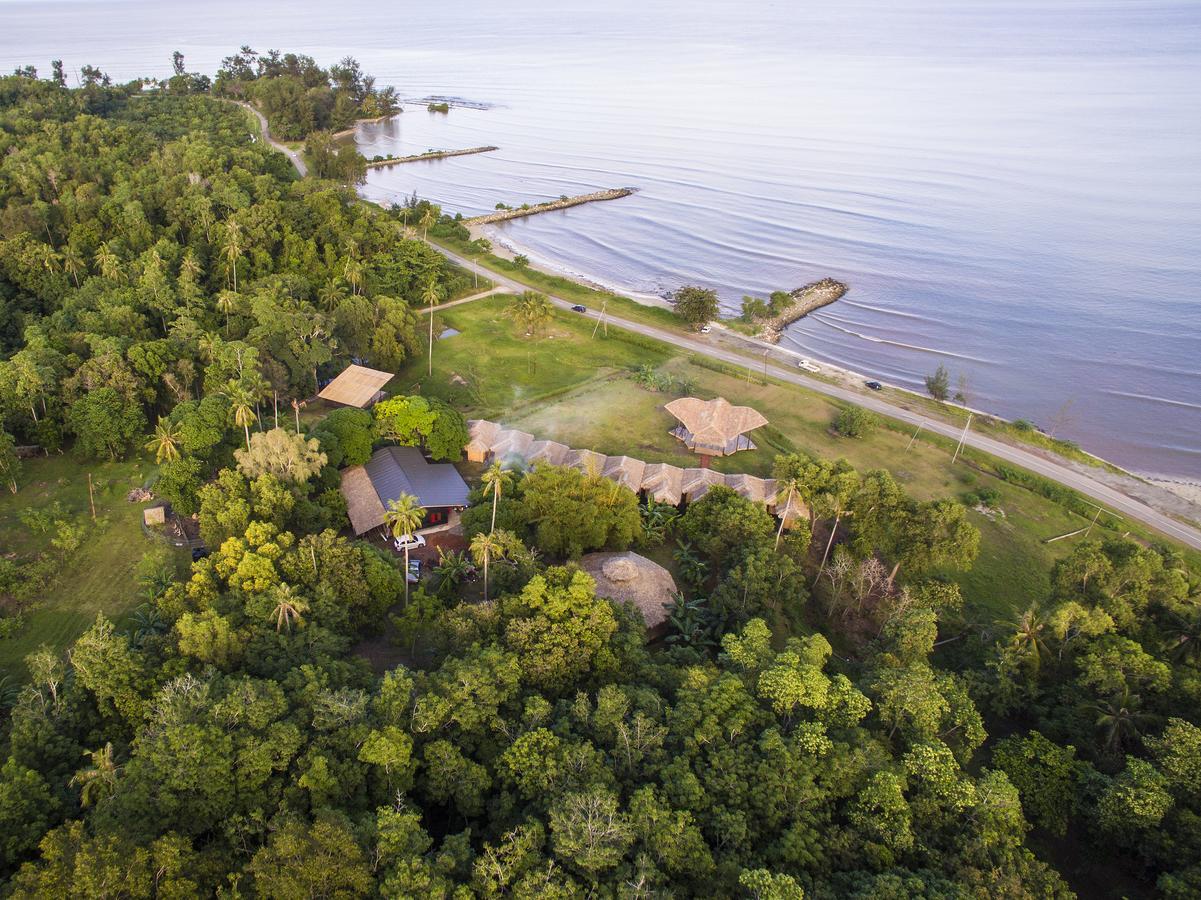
(292, 155)
(1048, 468)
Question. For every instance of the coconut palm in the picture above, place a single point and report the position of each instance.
(495, 479)
(531, 311)
(836, 497)
(353, 272)
(1120, 720)
(786, 490)
(241, 402)
(73, 263)
(288, 607)
(231, 247)
(1028, 639)
(228, 302)
(403, 517)
(331, 295)
(487, 547)
(98, 781)
(428, 219)
(108, 262)
(431, 295)
(165, 442)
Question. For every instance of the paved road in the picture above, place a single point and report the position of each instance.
(266, 129)
(1048, 468)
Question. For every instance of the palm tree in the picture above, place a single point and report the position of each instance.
(331, 295)
(165, 442)
(531, 311)
(353, 270)
(1120, 720)
(428, 219)
(403, 517)
(98, 781)
(786, 489)
(108, 262)
(430, 295)
(232, 247)
(288, 608)
(228, 302)
(486, 547)
(839, 491)
(1183, 635)
(1028, 638)
(241, 401)
(73, 263)
(495, 478)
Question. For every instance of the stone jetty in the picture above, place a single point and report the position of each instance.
(804, 301)
(432, 154)
(502, 215)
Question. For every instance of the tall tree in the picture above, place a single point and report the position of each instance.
(403, 517)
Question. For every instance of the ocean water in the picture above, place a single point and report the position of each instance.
(1010, 188)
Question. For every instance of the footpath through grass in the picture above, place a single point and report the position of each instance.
(100, 576)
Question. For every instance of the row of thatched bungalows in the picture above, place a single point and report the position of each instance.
(663, 482)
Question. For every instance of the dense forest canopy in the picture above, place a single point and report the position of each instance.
(298, 96)
(824, 718)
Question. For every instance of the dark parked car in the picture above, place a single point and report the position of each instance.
(874, 385)
(579, 308)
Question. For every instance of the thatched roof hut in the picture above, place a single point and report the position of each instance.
(714, 427)
(662, 481)
(629, 578)
(483, 435)
(626, 471)
(551, 452)
(696, 483)
(587, 461)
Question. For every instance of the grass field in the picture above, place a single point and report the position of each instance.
(100, 575)
(571, 387)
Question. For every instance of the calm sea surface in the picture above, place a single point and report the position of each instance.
(1012, 189)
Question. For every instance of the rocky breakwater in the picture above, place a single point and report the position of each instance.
(420, 157)
(804, 301)
(502, 215)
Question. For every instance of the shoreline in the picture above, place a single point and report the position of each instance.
(429, 154)
(805, 300)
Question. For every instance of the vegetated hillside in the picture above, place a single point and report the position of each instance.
(164, 281)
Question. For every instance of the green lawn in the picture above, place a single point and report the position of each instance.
(491, 368)
(571, 387)
(100, 576)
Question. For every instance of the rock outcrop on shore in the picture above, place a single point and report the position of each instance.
(804, 301)
(502, 215)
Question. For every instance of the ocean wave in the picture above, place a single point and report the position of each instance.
(1166, 400)
(878, 340)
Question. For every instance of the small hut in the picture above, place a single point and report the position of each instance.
(630, 578)
(482, 436)
(714, 427)
(357, 386)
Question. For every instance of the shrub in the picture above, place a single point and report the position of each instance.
(856, 422)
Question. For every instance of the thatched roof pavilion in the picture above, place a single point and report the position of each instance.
(714, 427)
(629, 578)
